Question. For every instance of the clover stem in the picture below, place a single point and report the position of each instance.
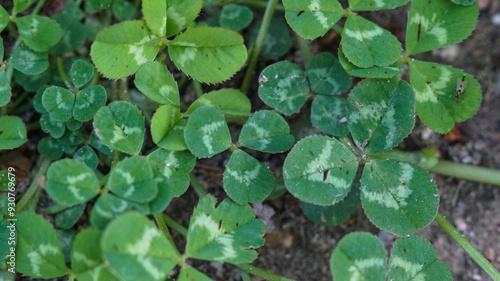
(123, 89)
(161, 224)
(116, 159)
(304, 48)
(60, 69)
(175, 225)
(54, 209)
(38, 7)
(254, 55)
(245, 276)
(197, 88)
(467, 247)
(34, 186)
(262, 273)
(337, 28)
(467, 172)
(195, 183)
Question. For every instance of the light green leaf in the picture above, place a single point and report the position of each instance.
(283, 86)
(12, 132)
(208, 54)
(312, 19)
(375, 5)
(436, 88)
(190, 274)
(71, 182)
(106, 208)
(156, 82)
(50, 148)
(86, 262)
(359, 256)
(28, 61)
(266, 131)
(88, 101)
(326, 75)
(59, 103)
(4, 18)
(68, 218)
(228, 233)
(21, 5)
(5, 90)
(366, 44)
(38, 250)
(436, 24)
(398, 197)
(155, 16)
(380, 113)
(87, 155)
(121, 49)
(277, 41)
(53, 127)
(371, 72)
(328, 114)
(231, 102)
(246, 180)
(414, 258)
(206, 132)
(181, 13)
(39, 33)
(136, 249)
(81, 72)
(464, 2)
(72, 33)
(334, 214)
(120, 125)
(319, 170)
(133, 180)
(167, 128)
(235, 17)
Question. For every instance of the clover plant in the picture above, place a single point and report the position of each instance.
(114, 152)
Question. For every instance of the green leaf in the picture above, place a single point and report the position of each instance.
(190, 274)
(326, 75)
(312, 19)
(68, 218)
(319, 170)
(73, 8)
(372, 72)
(436, 88)
(12, 132)
(120, 125)
(136, 249)
(53, 127)
(121, 49)
(87, 155)
(155, 16)
(108, 207)
(4, 18)
(5, 90)
(366, 44)
(59, 103)
(88, 101)
(32, 83)
(206, 132)
(375, 5)
(72, 34)
(167, 128)
(81, 72)
(266, 131)
(123, 10)
(37, 100)
(181, 13)
(359, 256)
(277, 41)
(38, 250)
(398, 197)
(133, 180)
(99, 4)
(414, 258)
(156, 82)
(28, 61)
(5, 232)
(283, 86)
(246, 180)
(208, 54)
(334, 214)
(228, 233)
(328, 115)
(39, 33)
(436, 24)
(231, 102)
(235, 17)
(86, 262)
(464, 2)
(380, 113)
(71, 182)
(21, 5)
(96, 143)
(1, 48)
(73, 124)
(6, 177)
(50, 148)
(71, 139)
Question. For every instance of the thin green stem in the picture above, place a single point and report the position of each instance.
(54, 209)
(19, 100)
(195, 183)
(38, 7)
(254, 3)
(467, 172)
(123, 89)
(60, 69)
(197, 88)
(262, 273)
(160, 221)
(304, 48)
(254, 56)
(245, 276)
(468, 247)
(182, 81)
(104, 180)
(33, 188)
(175, 225)
(116, 159)
(337, 28)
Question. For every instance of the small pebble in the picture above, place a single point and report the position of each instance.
(495, 19)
